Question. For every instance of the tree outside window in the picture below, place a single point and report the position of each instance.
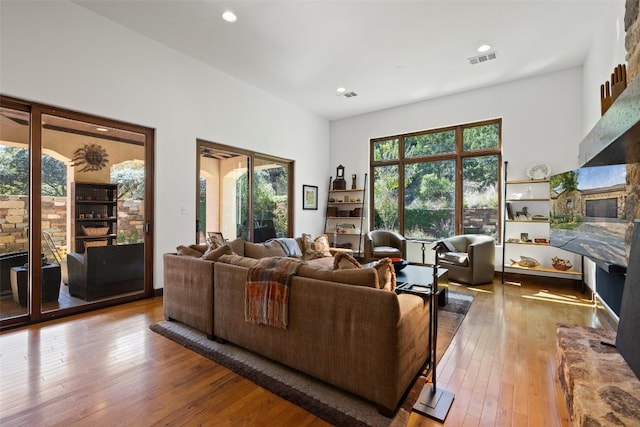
(450, 181)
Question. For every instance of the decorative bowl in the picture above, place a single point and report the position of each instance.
(561, 264)
(399, 264)
(95, 231)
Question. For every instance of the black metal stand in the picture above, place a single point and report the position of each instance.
(432, 402)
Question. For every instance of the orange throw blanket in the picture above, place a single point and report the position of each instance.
(267, 291)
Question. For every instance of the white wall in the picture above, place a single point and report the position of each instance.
(541, 122)
(606, 52)
(61, 54)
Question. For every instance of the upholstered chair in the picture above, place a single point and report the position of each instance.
(469, 258)
(380, 244)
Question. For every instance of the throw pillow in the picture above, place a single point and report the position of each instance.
(343, 261)
(317, 248)
(215, 253)
(237, 246)
(202, 247)
(386, 274)
(187, 251)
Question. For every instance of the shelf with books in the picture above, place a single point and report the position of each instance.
(526, 229)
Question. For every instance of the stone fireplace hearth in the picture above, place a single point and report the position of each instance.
(600, 388)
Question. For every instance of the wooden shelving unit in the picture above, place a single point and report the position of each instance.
(354, 206)
(94, 206)
(530, 193)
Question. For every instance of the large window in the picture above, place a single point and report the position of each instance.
(437, 183)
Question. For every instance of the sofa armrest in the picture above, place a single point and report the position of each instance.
(482, 253)
(76, 269)
(188, 291)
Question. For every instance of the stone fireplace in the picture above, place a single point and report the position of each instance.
(600, 387)
(632, 44)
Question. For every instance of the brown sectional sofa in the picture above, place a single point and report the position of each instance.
(342, 328)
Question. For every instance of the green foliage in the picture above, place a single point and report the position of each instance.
(426, 223)
(480, 137)
(429, 187)
(270, 192)
(14, 170)
(386, 150)
(129, 237)
(130, 176)
(14, 173)
(480, 172)
(386, 197)
(54, 177)
(430, 143)
(567, 181)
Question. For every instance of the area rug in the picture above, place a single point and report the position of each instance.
(323, 400)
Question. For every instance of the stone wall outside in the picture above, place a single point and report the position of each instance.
(14, 221)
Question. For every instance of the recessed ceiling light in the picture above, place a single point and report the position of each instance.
(229, 16)
(102, 129)
(340, 90)
(484, 47)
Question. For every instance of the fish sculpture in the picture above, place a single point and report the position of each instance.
(525, 261)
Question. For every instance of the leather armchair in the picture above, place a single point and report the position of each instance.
(380, 244)
(105, 271)
(469, 258)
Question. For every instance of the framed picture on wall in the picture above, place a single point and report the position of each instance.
(310, 197)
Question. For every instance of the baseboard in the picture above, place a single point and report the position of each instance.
(158, 292)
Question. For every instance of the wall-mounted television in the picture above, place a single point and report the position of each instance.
(588, 212)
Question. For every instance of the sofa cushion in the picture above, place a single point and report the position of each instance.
(201, 247)
(315, 248)
(355, 276)
(188, 251)
(214, 253)
(386, 251)
(343, 261)
(238, 260)
(263, 250)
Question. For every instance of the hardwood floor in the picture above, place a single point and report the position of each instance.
(108, 368)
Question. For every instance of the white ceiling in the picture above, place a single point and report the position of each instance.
(389, 52)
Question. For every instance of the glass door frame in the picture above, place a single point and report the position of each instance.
(252, 156)
(35, 313)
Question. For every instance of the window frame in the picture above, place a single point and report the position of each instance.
(253, 158)
(458, 156)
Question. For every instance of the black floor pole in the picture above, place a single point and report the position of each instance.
(432, 402)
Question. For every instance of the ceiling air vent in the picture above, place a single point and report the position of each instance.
(483, 58)
(349, 94)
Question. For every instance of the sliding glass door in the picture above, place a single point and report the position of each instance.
(242, 194)
(15, 152)
(75, 212)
